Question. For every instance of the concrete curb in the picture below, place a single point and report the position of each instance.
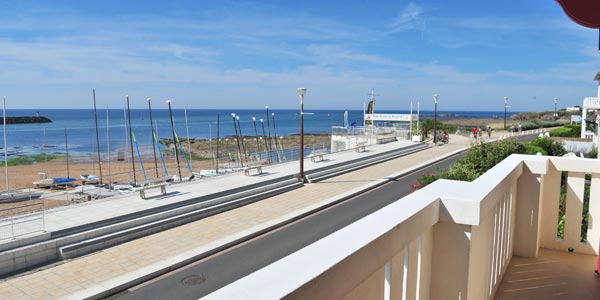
(369, 161)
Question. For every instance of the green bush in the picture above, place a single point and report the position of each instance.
(575, 127)
(533, 150)
(593, 153)
(549, 146)
(562, 132)
(476, 161)
(567, 131)
(461, 171)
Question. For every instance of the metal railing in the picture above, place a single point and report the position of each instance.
(18, 224)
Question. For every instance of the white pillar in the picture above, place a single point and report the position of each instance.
(584, 115)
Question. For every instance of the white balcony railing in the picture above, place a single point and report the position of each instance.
(450, 240)
(591, 102)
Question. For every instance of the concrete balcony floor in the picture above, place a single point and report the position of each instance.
(552, 275)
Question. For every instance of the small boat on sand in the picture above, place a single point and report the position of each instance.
(45, 182)
(19, 195)
(89, 179)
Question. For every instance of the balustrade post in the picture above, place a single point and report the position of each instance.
(450, 261)
(550, 196)
(528, 221)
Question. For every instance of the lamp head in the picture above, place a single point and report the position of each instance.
(168, 101)
(233, 115)
(253, 119)
(301, 92)
(435, 97)
(272, 114)
(261, 120)
(148, 99)
(237, 118)
(266, 106)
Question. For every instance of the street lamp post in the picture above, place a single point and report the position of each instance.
(555, 111)
(435, 99)
(174, 140)
(301, 93)
(505, 106)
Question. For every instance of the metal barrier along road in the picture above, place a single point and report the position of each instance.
(14, 225)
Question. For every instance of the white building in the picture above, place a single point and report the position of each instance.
(590, 103)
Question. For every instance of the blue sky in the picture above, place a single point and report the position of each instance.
(242, 54)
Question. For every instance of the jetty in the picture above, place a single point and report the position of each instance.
(25, 120)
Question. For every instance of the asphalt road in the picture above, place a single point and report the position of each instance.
(211, 273)
(207, 275)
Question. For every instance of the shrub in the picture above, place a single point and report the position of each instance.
(562, 132)
(593, 153)
(549, 146)
(533, 150)
(476, 161)
(461, 171)
(575, 127)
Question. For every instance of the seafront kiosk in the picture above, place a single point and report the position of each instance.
(592, 104)
(399, 123)
(376, 129)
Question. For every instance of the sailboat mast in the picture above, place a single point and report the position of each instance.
(152, 138)
(131, 138)
(5, 146)
(67, 151)
(108, 148)
(97, 138)
(127, 140)
(218, 136)
(187, 130)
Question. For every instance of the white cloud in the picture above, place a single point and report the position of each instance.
(412, 17)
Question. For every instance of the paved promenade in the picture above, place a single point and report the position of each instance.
(110, 269)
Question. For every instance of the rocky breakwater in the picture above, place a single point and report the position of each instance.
(25, 120)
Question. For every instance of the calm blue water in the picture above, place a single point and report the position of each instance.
(201, 123)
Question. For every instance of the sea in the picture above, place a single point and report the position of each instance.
(75, 130)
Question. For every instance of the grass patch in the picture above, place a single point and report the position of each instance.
(30, 159)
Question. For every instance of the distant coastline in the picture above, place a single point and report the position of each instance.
(25, 120)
